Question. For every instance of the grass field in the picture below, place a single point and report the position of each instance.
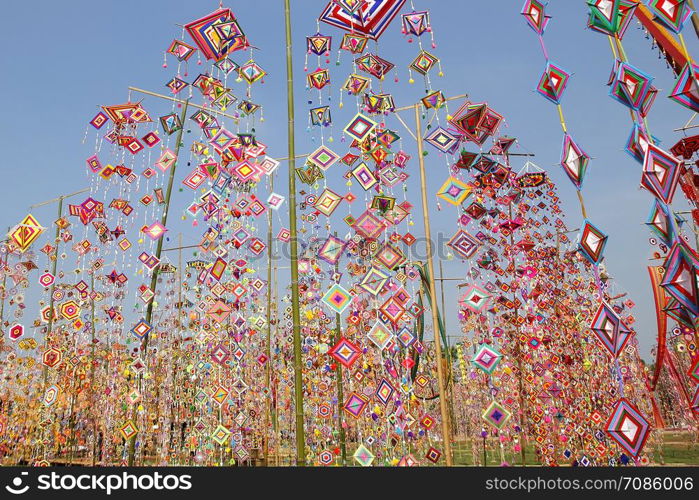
(678, 449)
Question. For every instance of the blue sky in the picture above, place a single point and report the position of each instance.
(61, 60)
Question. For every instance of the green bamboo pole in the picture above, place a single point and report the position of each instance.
(268, 365)
(450, 365)
(433, 293)
(54, 265)
(293, 248)
(158, 253)
(6, 263)
(92, 367)
(340, 392)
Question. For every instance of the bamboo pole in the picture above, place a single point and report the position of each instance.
(158, 253)
(54, 267)
(695, 17)
(518, 354)
(92, 367)
(268, 364)
(340, 389)
(5, 264)
(433, 292)
(293, 248)
(450, 362)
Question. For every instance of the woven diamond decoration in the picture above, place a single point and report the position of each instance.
(346, 352)
(464, 244)
(384, 391)
(374, 281)
(454, 191)
(26, 232)
(355, 404)
(337, 299)
(332, 249)
(217, 34)
(592, 242)
(166, 160)
(155, 231)
(628, 427)
(364, 176)
(380, 335)
(141, 329)
(671, 13)
(327, 202)
(406, 337)
(369, 226)
(443, 140)
(553, 83)
(128, 430)
(610, 329)
(661, 223)
(424, 62)
(486, 359)
(251, 72)
(323, 157)
(681, 276)
(393, 310)
(574, 161)
(496, 415)
(475, 299)
(360, 127)
(221, 435)
(370, 18)
(661, 173)
(390, 257)
(171, 123)
(686, 89)
(363, 456)
(630, 86)
(534, 12)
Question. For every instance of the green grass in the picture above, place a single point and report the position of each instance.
(678, 448)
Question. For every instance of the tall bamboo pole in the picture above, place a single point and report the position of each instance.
(5, 266)
(450, 363)
(268, 348)
(293, 248)
(54, 265)
(92, 367)
(433, 291)
(158, 253)
(340, 390)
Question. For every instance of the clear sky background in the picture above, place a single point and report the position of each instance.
(61, 60)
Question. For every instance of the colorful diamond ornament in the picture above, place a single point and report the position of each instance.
(661, 173)
(337, 299)
(592, 242)
(628, 427)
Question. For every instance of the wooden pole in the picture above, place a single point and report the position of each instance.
(695, 17)
(293, 248)
(448, 346)
(340, 389)
(268, 364)
(433, 293)
(158, 253)
(6, 266)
